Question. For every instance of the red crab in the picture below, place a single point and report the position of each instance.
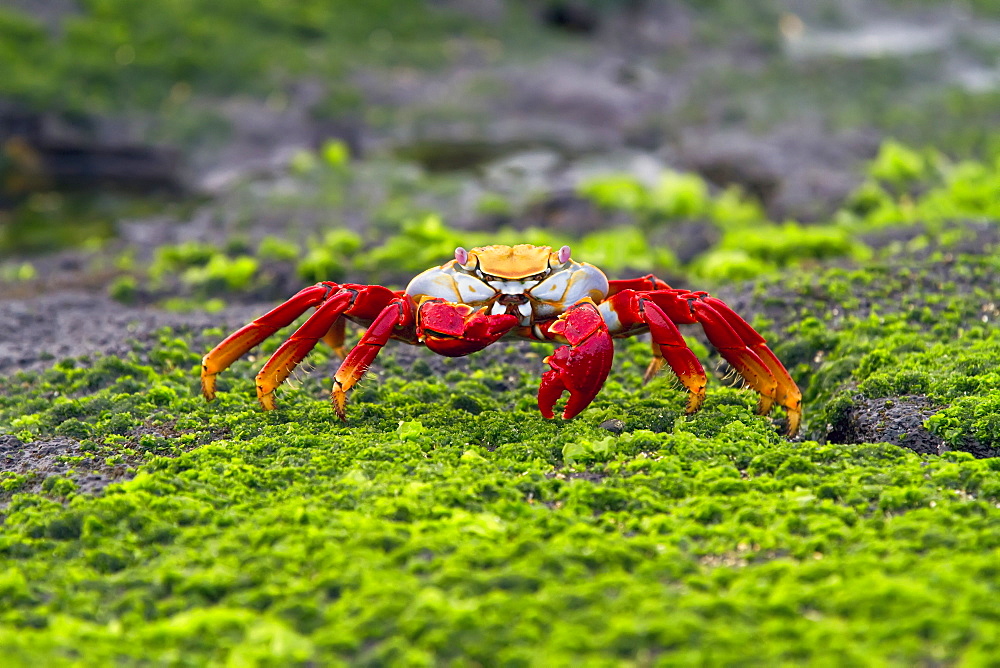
(525, 291)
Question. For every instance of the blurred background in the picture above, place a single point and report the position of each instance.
(193, 153)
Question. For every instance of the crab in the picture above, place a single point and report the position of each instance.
(531, 292)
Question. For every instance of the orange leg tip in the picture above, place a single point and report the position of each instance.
(208, 386)
(794, 417)
(338, 398)
(695, 399)
(765, 405)
(266, 398)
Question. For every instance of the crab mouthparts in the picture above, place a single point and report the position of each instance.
(517, 304)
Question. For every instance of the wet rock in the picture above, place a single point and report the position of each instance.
(35, 155)
(9, 446)
(570, 16)
(897, 420)
(19, 457)
(615, 426)
(798, 173)
(93, 483)
(531, 170)
(36, 331)
(47, 457)
(563, 211)
(883, 39)
(37, 460)
(688, 239)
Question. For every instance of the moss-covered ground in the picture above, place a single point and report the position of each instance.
(446, 522)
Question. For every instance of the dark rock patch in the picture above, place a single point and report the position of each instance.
(35, 332)
(42, 459)
(615, 426)
(796, 173)
(897, 420)
(573, 17)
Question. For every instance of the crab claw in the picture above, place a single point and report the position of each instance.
(456, 329)
(582, 366)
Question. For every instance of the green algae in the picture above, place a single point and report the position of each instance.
(447, 521)
(921, 196)
(106, 55)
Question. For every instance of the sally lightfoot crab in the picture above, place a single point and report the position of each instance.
(530, 292)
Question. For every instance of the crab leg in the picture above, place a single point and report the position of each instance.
(739, 344)
(788, 394)
(298, 345)
(630, 310)
(582, 366)
(397, 313)
(335, 337)
(645, 283)
(239, 342)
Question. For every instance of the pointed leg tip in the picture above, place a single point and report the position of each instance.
(765, 405)
(652, 370)
(266, 399)
(208, 386)
(695, 400)
(794, 420)
(338, 399)
(549, 392)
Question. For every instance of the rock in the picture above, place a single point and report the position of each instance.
(896, 420)
(615, 426)
(570, 16)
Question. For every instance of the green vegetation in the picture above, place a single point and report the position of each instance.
(448, 520)
(895, 331)
(923, 195)
(910, 187)
(113, 53)
(39, 224)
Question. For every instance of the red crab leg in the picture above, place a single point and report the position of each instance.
(455, 330)
(398, 313)
(335, 337)
(239, 342)
(788, 394)
(643, 284)
(582, 366)
(298, 345)
(739, 344)
(634, 309)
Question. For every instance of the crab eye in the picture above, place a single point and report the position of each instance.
(564, 254)
(461, 255)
